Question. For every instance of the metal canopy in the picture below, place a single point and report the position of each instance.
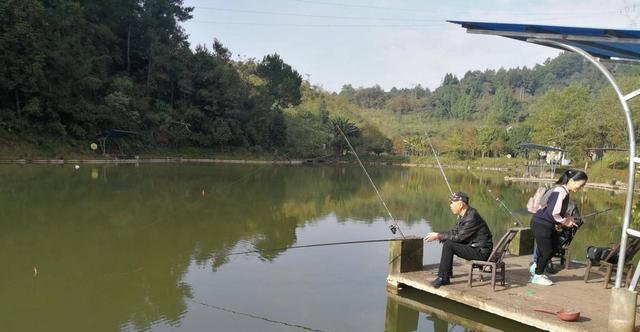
(610, 44)
(594, 45)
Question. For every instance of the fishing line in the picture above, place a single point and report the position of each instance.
(394, 227)
(254, 316)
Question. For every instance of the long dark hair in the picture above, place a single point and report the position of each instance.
(574, 174)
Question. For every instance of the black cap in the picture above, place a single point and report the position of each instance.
(459, 196)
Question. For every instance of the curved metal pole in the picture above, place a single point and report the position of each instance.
(632, 146)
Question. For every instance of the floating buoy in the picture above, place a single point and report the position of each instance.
(94, 146)
(35, 271)
(202, 192)
(77, 166)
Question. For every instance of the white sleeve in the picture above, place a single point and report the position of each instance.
(558, 206)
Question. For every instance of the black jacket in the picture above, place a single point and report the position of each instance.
(471, 229)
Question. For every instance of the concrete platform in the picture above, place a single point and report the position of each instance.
(517, 299)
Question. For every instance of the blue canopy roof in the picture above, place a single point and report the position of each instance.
(611, 44)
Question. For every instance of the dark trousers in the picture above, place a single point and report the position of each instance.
(450, 248)
(547, 242)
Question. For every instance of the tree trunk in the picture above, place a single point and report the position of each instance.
(129, 49)
(17, 94)
(173, 88)
(149, 73)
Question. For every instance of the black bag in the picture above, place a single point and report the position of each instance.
(596, 254)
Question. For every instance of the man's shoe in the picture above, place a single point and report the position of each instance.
(439, 282)
(541, 279)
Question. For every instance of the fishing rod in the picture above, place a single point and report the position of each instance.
(504, 206)
(438, 161)
(517, 221)
(595, 213)
(312, 245)
(394, 227)
(567, 234)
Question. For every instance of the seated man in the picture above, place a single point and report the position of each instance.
(469, 239)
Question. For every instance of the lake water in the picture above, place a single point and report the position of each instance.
(147, 248)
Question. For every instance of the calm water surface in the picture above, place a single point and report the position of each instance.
(146, 248)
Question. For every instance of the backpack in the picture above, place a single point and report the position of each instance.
(596, 254)
(539, 199)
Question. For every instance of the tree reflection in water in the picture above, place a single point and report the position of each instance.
(113, 244)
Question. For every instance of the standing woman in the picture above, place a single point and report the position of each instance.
(545, 220)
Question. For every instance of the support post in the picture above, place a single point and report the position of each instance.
(522, 243)
(405, 255)
(622, 312)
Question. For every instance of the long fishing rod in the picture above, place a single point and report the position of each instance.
(569, 233)
(394, 227)
(595, 213)
(312, 245)
(504, 206)
(438, 161)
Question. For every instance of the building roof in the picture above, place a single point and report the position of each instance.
(540, 147)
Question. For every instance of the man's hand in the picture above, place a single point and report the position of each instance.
(432, 237)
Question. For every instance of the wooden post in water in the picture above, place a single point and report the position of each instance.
(404, 256)
(399, 318)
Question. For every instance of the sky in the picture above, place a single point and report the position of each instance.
(399, 43)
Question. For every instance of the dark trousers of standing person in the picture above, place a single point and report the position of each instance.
(450, 248)
(546, 240)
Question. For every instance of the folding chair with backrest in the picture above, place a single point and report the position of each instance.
(611, 261)
(495, 261)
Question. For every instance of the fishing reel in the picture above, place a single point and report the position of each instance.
(393, 229)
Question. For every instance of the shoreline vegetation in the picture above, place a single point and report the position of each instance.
(511, 169)
(77, 88)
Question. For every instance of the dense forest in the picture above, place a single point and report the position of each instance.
(76, 70)
(72, 70)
